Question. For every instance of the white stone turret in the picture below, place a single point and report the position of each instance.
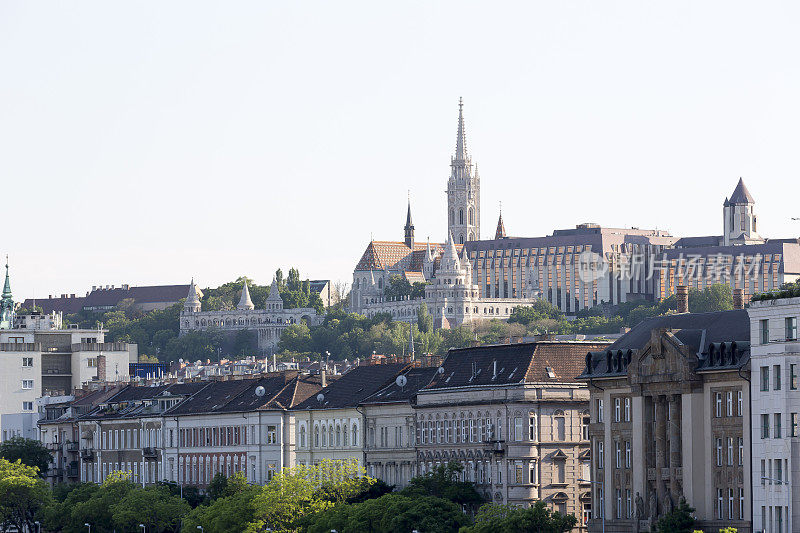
(245, 303)
(192, 304)
(274, 300)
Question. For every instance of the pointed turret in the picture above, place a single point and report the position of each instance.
(245, 303)
(501, 229)
(192, 304)
(274, 300)
(741, 195)
(7, 304)
(463, 190)
(409, 228)
(450, 260)
(739, 219)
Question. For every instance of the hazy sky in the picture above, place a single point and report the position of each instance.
(149, 142)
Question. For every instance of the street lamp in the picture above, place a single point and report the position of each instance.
(38, 527)
(89, 526)
(602, 507)
(201, 529)
(143, 528)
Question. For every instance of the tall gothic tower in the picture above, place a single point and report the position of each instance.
(463, 191)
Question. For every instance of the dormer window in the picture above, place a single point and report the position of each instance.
(550, 373)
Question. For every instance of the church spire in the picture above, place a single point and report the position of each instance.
(7, 304)
(501, 228)
(409, 228)
(461, 136)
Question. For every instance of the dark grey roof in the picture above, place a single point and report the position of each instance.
(239, 396)
(353, 387)
(697, 330)
(741, 195)
(417, 378)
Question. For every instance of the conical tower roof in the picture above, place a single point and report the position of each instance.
(193, 297)
(461, 136)
(245, 303)
(274, 292)
(741, 195)
(501, 228)
(450, 259)
(7, 285)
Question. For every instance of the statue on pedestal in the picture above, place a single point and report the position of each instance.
(639, 507)
(652, 506)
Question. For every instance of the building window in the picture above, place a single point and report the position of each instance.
(560, 426)
(730, 504)
(763, 472)
(730, 451)
(600, 454)
(628, 503)
(720, 505)
(91, 362)
(729, 403)
(599, 410)
(627, 454)
(764, 327)
(532, 427)
(532, 472)
(741, 504)
(517, 429)
(618, 455)
(793, 377)
(739, 403)
(617, 409)
(27, 406)
(794, 424)
(764, 426)
(272, 435)
(777, 429)
(791, 328)
(778, 471)
(518, 474)
(741, 451)
(585, 428)
(27, 362)
(627, 409)
(718, 404)
(764, 378)
(619, 503)
(719, 451)
(27, 384)
(776, 380)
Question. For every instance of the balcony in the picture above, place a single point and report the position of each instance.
(150, 452)
(73, 471)
(87, 454)
(55, 472)
(53, 446)
(498, 446)
(73, 447)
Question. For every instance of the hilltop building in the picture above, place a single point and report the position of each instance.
(268, 323)
(573, 269)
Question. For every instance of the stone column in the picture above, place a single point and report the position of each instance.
(661, 444)
(674, 443)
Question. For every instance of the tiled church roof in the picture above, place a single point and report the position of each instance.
(395, 255)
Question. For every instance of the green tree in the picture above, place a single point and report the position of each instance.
(443, 482)
(30, 452)
(153, 506)
(424, 319)
(23, 494)
(398, 287)
(494, 518)
(235, 512)
(679, 520)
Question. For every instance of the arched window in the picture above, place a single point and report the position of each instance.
(559, 426)
(460, 216)
(461, 239)
(302, 436)
(338, 436)
(470, 216)
(330, 435)
(316, 436)
(355, 435)
(452, 217)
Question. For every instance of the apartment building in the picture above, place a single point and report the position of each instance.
(330, 424)
(241, 425)
(516, 418)
(670, 419)
(775, 392)
(390, 449)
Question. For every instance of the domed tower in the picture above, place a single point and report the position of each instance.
(463, 190)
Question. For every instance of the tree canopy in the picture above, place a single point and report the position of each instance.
(538, 518)
(29, 451)
(23, 494)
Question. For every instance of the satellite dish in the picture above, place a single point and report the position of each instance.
(320, 397)
(401, 381)
(441, 370)
(260, 391)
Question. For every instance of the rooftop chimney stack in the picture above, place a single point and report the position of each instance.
(322, 380)
(738, 298)
(682, 294)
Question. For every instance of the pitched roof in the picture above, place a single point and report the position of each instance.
(699, 331)
(146, 294)
(416, 378)
(395, 255)
(741, 195)
(509, 364)
(354, 386)
(67, 305)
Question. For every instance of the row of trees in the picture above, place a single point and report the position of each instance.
(331, 495)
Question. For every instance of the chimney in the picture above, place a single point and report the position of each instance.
(682, 294)
(101, 368)
(738, 298)
(322, 379)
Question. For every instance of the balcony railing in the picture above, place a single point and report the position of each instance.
(87, 454)
(73, 471)
(73, 447)
(53, 446)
